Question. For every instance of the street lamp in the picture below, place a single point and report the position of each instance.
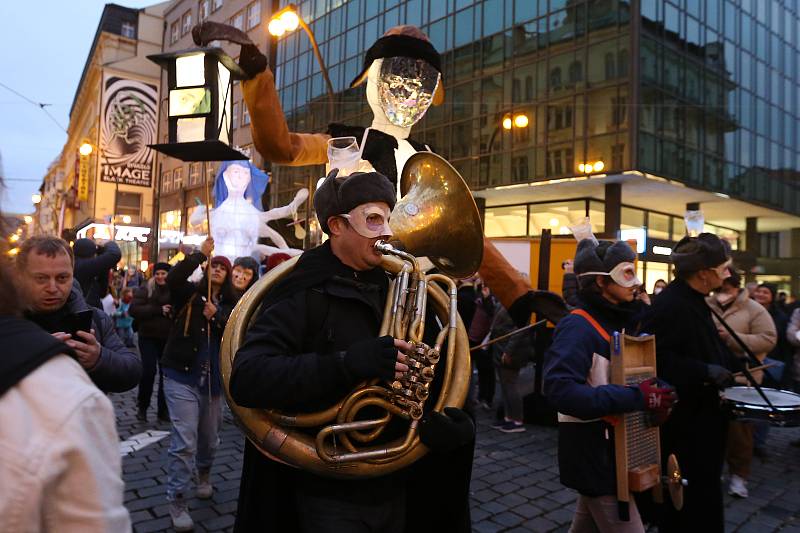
(520, 120)
(288, 19)
(588, 168)
(36, 198)
(85, 149)
(200, 111)
(28, 219)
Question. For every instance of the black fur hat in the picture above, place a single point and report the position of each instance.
(693, 254)
(601, 257)
(337, 196)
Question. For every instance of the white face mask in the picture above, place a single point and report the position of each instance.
(624, 275)
(405, 89)
(657, 290)
(370, 220)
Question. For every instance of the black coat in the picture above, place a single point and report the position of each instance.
(92, 272)
(292, 359)
(687, 342)
(146, 309)
(186, 340)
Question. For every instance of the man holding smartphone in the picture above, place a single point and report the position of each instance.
(54, 302)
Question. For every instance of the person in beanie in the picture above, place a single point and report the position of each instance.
(314, 341)
(692, 356)
(576, 382)
(192, 381)
(274, 260)
(92, 266)
(244, 275)
(152, 310)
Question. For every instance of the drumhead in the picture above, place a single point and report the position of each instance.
(750, 396)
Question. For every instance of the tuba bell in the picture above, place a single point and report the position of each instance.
(436, 217)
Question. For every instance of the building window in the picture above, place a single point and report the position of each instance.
(203, 10)
(618, 156)
(174, 32)
(129, 204)
(555, 78)
(128, 30)
(186, 23)
(611, 68)
(238, 21)
(245, 116)
(211, 170)
(177, 179)
(215, 5)
(194, 174)
(247, 150)
(559, 161)
(559, 117)
(619, 108)
(235, 115)
(166, 182)
(253, 15)
(575, 72)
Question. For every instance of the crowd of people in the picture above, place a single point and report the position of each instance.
(169, 326)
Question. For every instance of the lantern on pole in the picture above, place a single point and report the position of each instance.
(200, 110)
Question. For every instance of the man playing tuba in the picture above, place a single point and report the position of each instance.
(314, 341)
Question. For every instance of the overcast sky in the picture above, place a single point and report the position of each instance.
(43, 47)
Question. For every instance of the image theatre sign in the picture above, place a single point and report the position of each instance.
(128, 125)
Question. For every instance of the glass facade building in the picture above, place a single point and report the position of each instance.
(705, 93)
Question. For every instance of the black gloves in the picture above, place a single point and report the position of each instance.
(252, 61)
(719, 376)
(446, 432)
(372, 358)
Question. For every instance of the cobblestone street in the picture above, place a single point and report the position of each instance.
(515, 483)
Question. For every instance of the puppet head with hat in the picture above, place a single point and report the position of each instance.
(403, 72)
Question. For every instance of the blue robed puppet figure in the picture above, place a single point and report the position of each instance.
(238, 219)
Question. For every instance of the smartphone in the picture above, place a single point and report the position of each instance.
(80, 321)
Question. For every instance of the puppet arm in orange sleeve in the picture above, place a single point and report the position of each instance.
(514, 292)
(271, 134)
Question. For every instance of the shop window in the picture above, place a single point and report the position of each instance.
(556, 216)
(657, 226)
(170, 220)
(199, 229)
(597, 216)
(506, 221)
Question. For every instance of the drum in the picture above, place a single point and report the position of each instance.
(746, 404)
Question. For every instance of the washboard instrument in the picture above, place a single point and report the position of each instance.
(637, 443)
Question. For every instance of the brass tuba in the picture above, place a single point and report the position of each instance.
(436, 217)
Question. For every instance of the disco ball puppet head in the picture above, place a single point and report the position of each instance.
(402, 71)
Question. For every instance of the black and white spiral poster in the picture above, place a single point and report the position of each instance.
(128, 125)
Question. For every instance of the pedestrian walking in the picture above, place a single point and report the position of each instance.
(478, 334)
(510, 356)
(152, 310)
(123, 320)
(192, 381)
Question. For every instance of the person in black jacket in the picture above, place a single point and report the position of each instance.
(54, 298)
(152, 310)
(92, 266)
(314, 341)
(576, 382)
(192, 381)
(692, 357)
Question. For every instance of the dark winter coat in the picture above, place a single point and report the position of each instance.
(119, 368)
(146, 309)
(519, 347)
(576, 372)
(687, 342)
(569, 289)
(292, 359)
(92, 272)
(186, 340)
